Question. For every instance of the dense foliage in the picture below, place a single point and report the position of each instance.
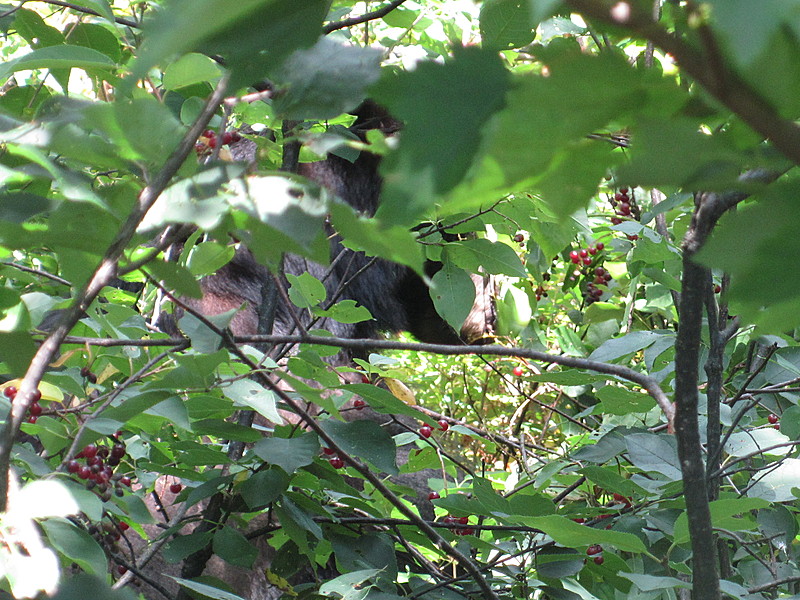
(624, 171)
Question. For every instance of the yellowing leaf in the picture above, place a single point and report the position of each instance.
(400, 390)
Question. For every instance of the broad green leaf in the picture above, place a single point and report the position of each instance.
(207, 258)
(612, 482)
(349, 586)
(205, 590)
(190, 69)
(232, 547)
(365, 440)
(655, 454)
(306, 290)
(624, 346)
(289, 454)
(234, 30)
(778, 484)
(621, 401)
(264, 487)
(494, 258)
(453, 294)
(444, 108)
(513, 311)
(181, 546)
(573, 535)
(226, 430)
(77, 545)
(507, 24)
(650, 583)
(97, 37)
(174, 277)
(742, 443)
(346, 311)
(731, 514)
(316, 85)
(248, 393)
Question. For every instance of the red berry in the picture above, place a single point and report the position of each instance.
(37, 395)
(328, 451)
(35, 409)
(594, 549)
(575, 257)
(518, 371)
(118, 451)
(463, 520)
(230, 137)
(73, 466)
(776, 426)
(122, 569)
(519, 238)
(89, 451)
(592, 250)
(467, 531)
(600, 245)
(125, 480)
(337, 462)
(359, 404)
(434, 496)
(621, 197)
(425, 431)
(598, 560)
(580, 520)
(583, 253)
(623, 190)
(84, 472)
(600, 271)
(587, 261)
(123, 526)
(10, 392)
(623, 208)
(772, 419)
(633, 237)
(444, 425)
(607, 276)
(364, 379)
(32, 420)
(175, 488)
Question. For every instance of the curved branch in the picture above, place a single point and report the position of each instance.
(370, 16)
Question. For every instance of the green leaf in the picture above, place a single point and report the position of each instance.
(81, 586)
(77, 545)
(611, 481)
(624, 346)
(18, 207)
(654, 453)
(234, 30)
(350, 585)
(97, 37)
(226, 430)
(181, 546)
(190, 69)
(573, 535)
(306, 290)
(16, 351)
(444, 108)
(325, 80)
(206, 591)
(264, 487)
(385, 402)
(651, 583)
(232, 547)
(207, 258)
(723, 514)
(778, 484)
(289, 454)
(174, 277)
(57, 57)
(453, 294)
(742, 443)
(248, 393)
(513, 311)
(621, 401)
(346, 311)
(507, 24)
(366, 440)
(494, 258)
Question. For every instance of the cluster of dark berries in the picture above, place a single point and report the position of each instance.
(624, 206)
(98, 468)
(601, 277)
(337, 462)
(426, 430)
(596, 552)
(208, 140)
(773, 420)
(585, 256)
(520, 239)
(35, 408)
(459, 525)
(109, 532)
